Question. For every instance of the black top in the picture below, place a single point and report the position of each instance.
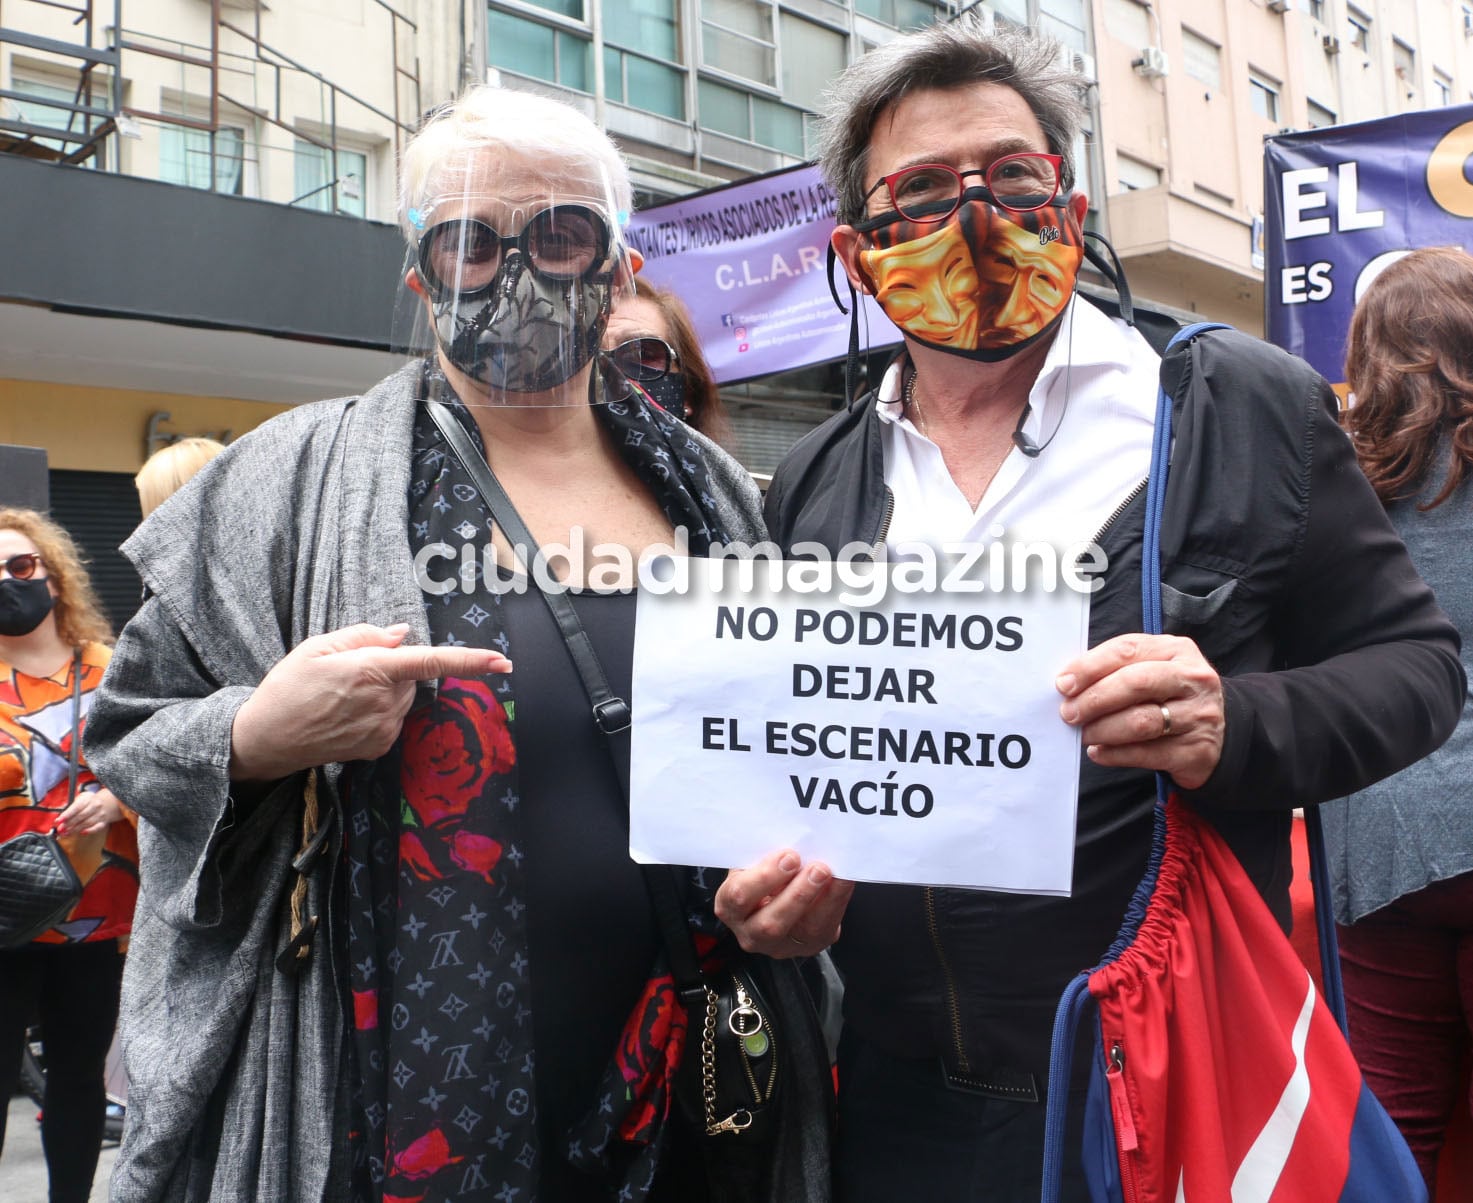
(592, 934)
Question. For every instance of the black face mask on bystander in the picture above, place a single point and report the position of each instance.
(668, 392)
(23, 605)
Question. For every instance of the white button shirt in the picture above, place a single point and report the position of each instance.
(1109, 377)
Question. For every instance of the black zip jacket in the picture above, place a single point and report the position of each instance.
(1338, 669)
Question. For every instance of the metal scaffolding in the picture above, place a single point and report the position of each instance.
(94, 113)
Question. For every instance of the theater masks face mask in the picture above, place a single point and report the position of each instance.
(960, 272)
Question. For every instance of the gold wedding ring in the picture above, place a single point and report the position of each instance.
(1165, 721)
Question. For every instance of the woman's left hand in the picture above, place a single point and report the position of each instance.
(90, 813)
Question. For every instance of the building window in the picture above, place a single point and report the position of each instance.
(1404, 62)
(1319, 116)
(1263, 94)
(313, 179)
(641, 56)
(47, 102)
(1064, 20)
(902, 14)
(1360, 30)
(812, 56)
(751, 118)
(1317, 10)
(737, 37)
(1442, 88)
(643, 83)
(1201, 59)
(649, 26)
(563, 8)
(530, 48)
(185, 158)
(1131, 175)
(1128, 21)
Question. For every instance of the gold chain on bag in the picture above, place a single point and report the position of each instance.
(755, 1042)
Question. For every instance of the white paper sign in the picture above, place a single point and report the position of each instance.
(916, 739)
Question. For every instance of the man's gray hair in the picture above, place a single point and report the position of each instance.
(945, 55)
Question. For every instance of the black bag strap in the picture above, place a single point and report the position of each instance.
(610, 712)
(74, 761)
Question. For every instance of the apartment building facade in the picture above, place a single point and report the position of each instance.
(1188, 89)
(212, 181)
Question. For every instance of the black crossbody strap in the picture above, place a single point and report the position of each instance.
(610, 711)
(74, 763)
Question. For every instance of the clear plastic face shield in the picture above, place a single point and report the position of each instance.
(514, 266)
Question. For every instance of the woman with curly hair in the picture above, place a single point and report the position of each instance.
(1401, 852)
(54, 645)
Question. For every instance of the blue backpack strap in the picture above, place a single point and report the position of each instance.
(1076, 994)
(1319, 870)
(1324, 918)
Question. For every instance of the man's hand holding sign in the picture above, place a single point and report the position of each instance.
(1145, 701)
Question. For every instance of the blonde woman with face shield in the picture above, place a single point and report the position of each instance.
(389, 880)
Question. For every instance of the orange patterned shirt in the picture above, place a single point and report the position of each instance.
(35, 746)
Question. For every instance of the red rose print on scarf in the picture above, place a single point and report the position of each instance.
(412, 854)
(453, 751)
(475, 853)
(649, 1055)
(452, 748)
(425, 1157)
(365, 1009)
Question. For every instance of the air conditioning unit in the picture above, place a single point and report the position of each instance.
(1279, 6)
(1331, 44)
(1079, 62)
(1152, 63)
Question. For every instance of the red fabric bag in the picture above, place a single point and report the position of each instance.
(1224, 1075)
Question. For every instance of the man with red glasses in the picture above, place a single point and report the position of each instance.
(1305, 657)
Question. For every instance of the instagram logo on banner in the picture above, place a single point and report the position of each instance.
(740, 334)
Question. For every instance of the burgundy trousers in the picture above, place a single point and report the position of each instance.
(1408, 972)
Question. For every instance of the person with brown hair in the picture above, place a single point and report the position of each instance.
(651, 340)
(1401, 851)
(53, 649)
(166, 470)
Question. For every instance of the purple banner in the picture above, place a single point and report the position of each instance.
(749, 262)
(1345, 201)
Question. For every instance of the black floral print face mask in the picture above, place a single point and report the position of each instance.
(529, 333)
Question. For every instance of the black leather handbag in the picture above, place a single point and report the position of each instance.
(38, 886)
